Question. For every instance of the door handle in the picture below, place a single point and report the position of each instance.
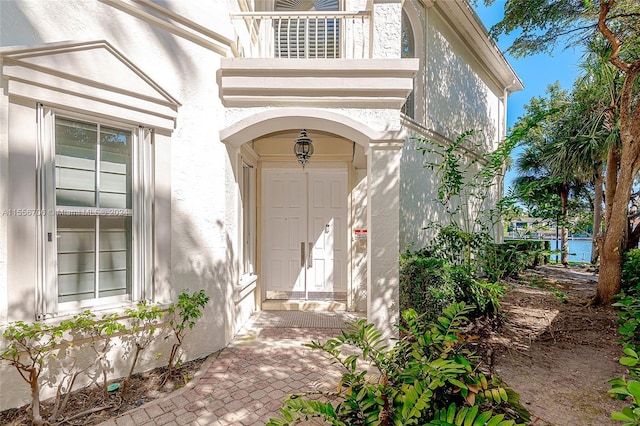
(302, 256)
(310, 255)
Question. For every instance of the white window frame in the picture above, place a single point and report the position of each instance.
(142, 214)
(247, 162)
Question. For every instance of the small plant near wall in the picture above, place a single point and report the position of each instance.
(183, 316)
(99, 333)
(145, 320)
(54, 353)
(29, 348)
(428, 378)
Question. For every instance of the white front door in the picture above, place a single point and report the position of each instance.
(305, 234)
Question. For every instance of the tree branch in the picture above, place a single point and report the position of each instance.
(616, 44)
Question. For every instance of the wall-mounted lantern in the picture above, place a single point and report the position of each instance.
(303, 147)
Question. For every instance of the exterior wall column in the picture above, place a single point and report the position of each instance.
(387, 30)
(383, 208)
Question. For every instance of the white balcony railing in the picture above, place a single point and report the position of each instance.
(303, 34)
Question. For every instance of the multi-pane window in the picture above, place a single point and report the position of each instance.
(94, 210)
(248, 195)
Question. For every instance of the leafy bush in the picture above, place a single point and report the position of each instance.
(429, 284)
(631, 270)
(629, 320)
(456, 245)
(428, 377)
(510, 258)
(145, 321)
(183, 316)
(30, 345)
(426, 284)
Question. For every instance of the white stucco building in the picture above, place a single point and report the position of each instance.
(146, 147)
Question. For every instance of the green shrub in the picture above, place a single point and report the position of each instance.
(629, 320)
(429, 284)
(508, 259)
(631, 270)
(426, 284)
(182, 317)
(486, 296)
(427, 378)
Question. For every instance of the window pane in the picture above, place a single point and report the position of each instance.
(75, 163)
(76, 258)
(115, 256)
(115, 168)
(248, 218)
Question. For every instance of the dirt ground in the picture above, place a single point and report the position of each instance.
(556, 351)
(551, 347)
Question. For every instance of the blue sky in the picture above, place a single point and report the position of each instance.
(536, 72)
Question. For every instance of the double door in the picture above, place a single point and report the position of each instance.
(304, 234)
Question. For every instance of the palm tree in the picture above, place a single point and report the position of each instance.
(548, 175)
(596, 93)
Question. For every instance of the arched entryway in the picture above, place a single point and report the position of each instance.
(311, 214)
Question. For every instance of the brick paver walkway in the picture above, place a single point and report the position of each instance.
(246, 383)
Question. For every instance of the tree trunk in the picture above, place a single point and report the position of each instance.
(629, 164)
(597, 215)
(616, 232)
(564, 196)
(35, 397)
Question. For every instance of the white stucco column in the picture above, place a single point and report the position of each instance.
(383, 280)
(387, 28)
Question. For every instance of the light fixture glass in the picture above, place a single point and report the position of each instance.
(303, 148)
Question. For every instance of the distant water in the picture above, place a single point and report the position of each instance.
(579, 250)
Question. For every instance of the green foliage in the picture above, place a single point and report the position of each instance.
(183, 316)
(99, 332)
(429, 284)
(456, 245)
(629, 316)
(629, 320)
(429, 370)
(187, 310)
(144, 320)
(510, 258)
(541, 28)
(468, 416)
(29, 347)
(426, 284)
(631, 270)
(624, 389)
(464, 188)
(487, 296)
(32, 345)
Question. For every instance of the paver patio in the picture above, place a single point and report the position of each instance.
(246, 382)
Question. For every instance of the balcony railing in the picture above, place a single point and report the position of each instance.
(303, 34)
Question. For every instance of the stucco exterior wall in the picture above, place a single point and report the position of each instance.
(458, 96)
(193, 167)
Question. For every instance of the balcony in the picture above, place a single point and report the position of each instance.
(311, 58)
(303, 35)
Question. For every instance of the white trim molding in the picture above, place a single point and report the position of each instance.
(339, 83)
(88, 76)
